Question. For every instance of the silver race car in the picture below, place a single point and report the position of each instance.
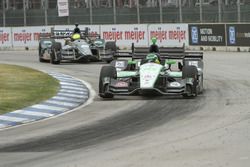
(81, 47)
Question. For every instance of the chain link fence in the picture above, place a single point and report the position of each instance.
(44, 12)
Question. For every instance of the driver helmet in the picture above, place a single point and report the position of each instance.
(154, 40)
(76, 36)
(153, 58)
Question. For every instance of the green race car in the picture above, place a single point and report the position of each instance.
(170, 72)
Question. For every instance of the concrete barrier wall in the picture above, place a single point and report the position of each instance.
(226, 37)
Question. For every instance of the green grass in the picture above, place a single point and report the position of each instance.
(21, 87)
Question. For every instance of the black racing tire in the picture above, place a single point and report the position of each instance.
(40, 53)
(106, 71)
(55, 55)
(111, 45)
(201, 85)
(39, 49)
(53, 58)
(57, 46)
(191, 72)
(41, 59)
(108, 61)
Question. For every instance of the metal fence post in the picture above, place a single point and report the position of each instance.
(180, 11)
(201, 19)
(160, 5)
(4, 16)
(114, 11)
(238, 10)
(24, 13)
(90, 11)
(219, 10)
(46, 12)
(138, 12)
(68, 17)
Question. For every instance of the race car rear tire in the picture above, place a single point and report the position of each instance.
(201, 87)
(55, 55)
(110, 72)
(190, 72)
(111, 45)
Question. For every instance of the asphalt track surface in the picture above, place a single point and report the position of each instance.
(211, 130)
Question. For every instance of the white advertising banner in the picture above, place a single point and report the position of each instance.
(5, 37)
(125, 35)
(28, 36)
(63, 8)
(169, 34)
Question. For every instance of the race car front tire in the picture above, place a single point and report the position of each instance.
(40, 54)
(55, 55)
(190, 72)
(106, 72)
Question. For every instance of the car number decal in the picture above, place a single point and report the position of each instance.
(119, 64)
(193, 63)
(121, 84)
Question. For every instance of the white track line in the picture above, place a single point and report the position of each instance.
(13, 119)
(33, 113)
(66, 104)
(73, 91)
(46, 107)
(70, 95)
(67, 98)
(73, 88)
(3, 125)
(70, 84)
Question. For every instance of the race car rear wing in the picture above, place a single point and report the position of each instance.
(44, 35)
(123, 54)
(60, 34)
(165, 53)
(186, 54)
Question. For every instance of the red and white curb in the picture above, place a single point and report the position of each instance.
(72, 94)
